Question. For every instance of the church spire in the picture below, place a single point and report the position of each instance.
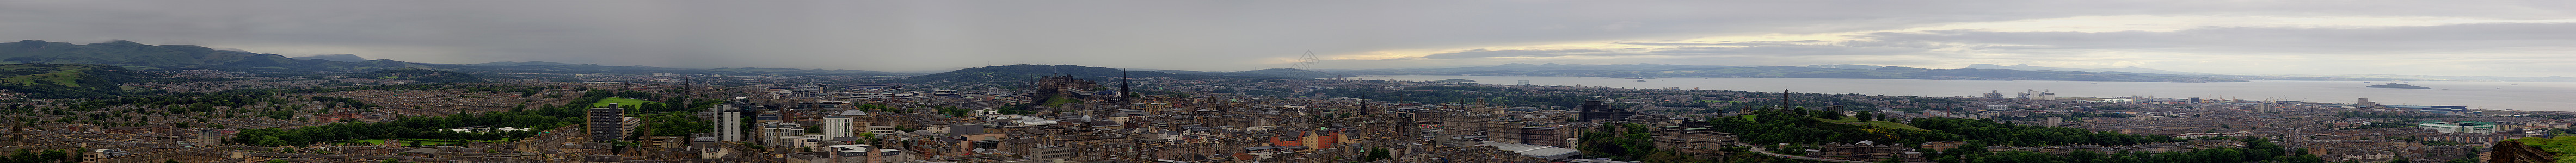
(1123, 85)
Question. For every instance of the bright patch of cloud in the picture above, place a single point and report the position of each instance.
(2190, 42)
(2183, 22)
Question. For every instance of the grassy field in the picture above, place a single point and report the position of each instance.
(619, 101)
(1060, 101)
(2565, 146)
(65, 77)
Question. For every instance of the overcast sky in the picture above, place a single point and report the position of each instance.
(2450, 37)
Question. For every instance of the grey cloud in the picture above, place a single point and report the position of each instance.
(2306, 40)
(1745, 43)
(2507, 49)
(1660, 45)
(1773, 43)
(931, 35)
(1807, 47)
(1691, 59)
(2501, 49)
(1795, 49)
(1482, 53)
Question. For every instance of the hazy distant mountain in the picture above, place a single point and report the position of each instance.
(2132, 69)
(528, 63)
(1025, 72)
(1276, 72)
(334, 57)
(1845, 66)
(422, 75)
(747, 71)
(1552, 67)
(551, 67)
(568, 68)
(139, 56)
(132, 55)
(2396, 85)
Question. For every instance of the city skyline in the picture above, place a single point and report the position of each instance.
(2480, 38)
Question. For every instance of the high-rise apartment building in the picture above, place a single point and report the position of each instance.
(607, 123)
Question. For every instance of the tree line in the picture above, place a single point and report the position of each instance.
(28, 156)
(543, 118)
(1805, 126)
(2255, 150)
(415, 127)
(677, 123)
(1990, 132)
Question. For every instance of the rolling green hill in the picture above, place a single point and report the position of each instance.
(71, 80)
(139, 56)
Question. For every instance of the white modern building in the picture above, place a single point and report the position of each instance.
(773, 131)
(728, 123)
(2460, 127)
(837, 126)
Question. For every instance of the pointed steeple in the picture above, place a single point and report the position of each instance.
(1364, 111)
(1123, 85)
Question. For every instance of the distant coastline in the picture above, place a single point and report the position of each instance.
(2395, 85)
